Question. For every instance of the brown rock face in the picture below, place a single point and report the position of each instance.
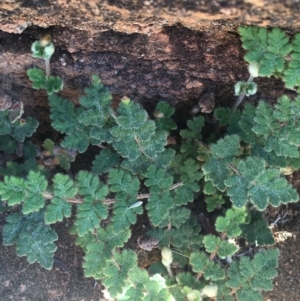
(147, 50)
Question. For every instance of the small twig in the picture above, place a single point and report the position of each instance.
(275, 222)
(281, 219)
(245, 252)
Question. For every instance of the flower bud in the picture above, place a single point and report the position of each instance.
(210, 291)
(125, 100)
(253, 69)
(167, 256)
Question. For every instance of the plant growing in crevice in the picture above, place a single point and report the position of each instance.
(44, 49)
(248, 88)
(136, 171)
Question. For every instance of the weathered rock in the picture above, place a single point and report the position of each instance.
(147, 50)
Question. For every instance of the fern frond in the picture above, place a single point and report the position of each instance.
(90, 213)
(250, 277)
(259, 185)
(267, 49)
(33, 238)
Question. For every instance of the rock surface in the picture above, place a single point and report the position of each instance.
(147, 50)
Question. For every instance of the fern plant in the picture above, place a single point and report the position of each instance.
(136, 171)
(274, 52)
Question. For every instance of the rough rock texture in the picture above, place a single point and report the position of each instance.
(141, 16)
(178, 51)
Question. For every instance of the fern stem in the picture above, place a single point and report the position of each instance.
(180, 254)
(141, 148)
(237, 103)
(170, 271)
(108, 201)
(147, 195)
(199, 275)
(214, 253)
(142, 196)
(242, 95)
(234, 169)
(47, 62)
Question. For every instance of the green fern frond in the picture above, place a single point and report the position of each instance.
(98, 253)
(40, 80)
(231, 222)
(291, 75)
(95, 259)
(124, 216)
(159, 206)
(33, 238)
(19, 130)
(250, 277)
(90, 213)
(214, 244)
(105, 161)
(123, 184)
(23, 128)
(186, 238)
(117, 269)
(63, 189)
(201, 263)
(266, 48)
(64, 117)
(163, 115)
(217, 169)
(214, 201)
(257, 230)
(255, 183)
(27, 192)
